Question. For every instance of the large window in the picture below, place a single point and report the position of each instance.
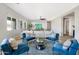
(11, 23)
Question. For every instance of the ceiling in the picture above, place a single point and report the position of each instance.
(33, 11)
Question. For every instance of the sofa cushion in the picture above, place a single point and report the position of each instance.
(57, 45)
(52, 35)
(57, 48)
(13, 43)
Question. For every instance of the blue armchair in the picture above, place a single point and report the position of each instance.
(53, 37)
(72, 49)
(7, 49)
(27, 37)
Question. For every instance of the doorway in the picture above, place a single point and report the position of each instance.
(69, 25)
(65, 26)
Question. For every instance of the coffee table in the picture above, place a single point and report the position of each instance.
(40, 43)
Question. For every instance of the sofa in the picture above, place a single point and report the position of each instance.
(71, 50)
(7, 49)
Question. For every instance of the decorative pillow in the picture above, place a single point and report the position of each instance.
(11, 39)
(13, 43)
(66, 44)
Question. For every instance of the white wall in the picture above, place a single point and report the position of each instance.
(57, 25)
(77, 23)
(71, 23)
(4, 12)
(66, 25)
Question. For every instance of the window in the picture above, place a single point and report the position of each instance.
(9, 26)
(25, 25)
(20, 24)
(11, 23)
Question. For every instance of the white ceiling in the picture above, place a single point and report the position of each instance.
(49, 11)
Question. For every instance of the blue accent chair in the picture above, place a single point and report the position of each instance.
(72, 49)
(27, 37)
(53, 37)
(7, 49)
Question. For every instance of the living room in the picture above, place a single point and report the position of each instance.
(42, 30)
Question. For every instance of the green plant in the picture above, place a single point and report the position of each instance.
(29, 25)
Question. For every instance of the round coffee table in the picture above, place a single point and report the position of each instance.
(40, 44)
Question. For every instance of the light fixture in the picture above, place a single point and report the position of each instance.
(42, 18)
